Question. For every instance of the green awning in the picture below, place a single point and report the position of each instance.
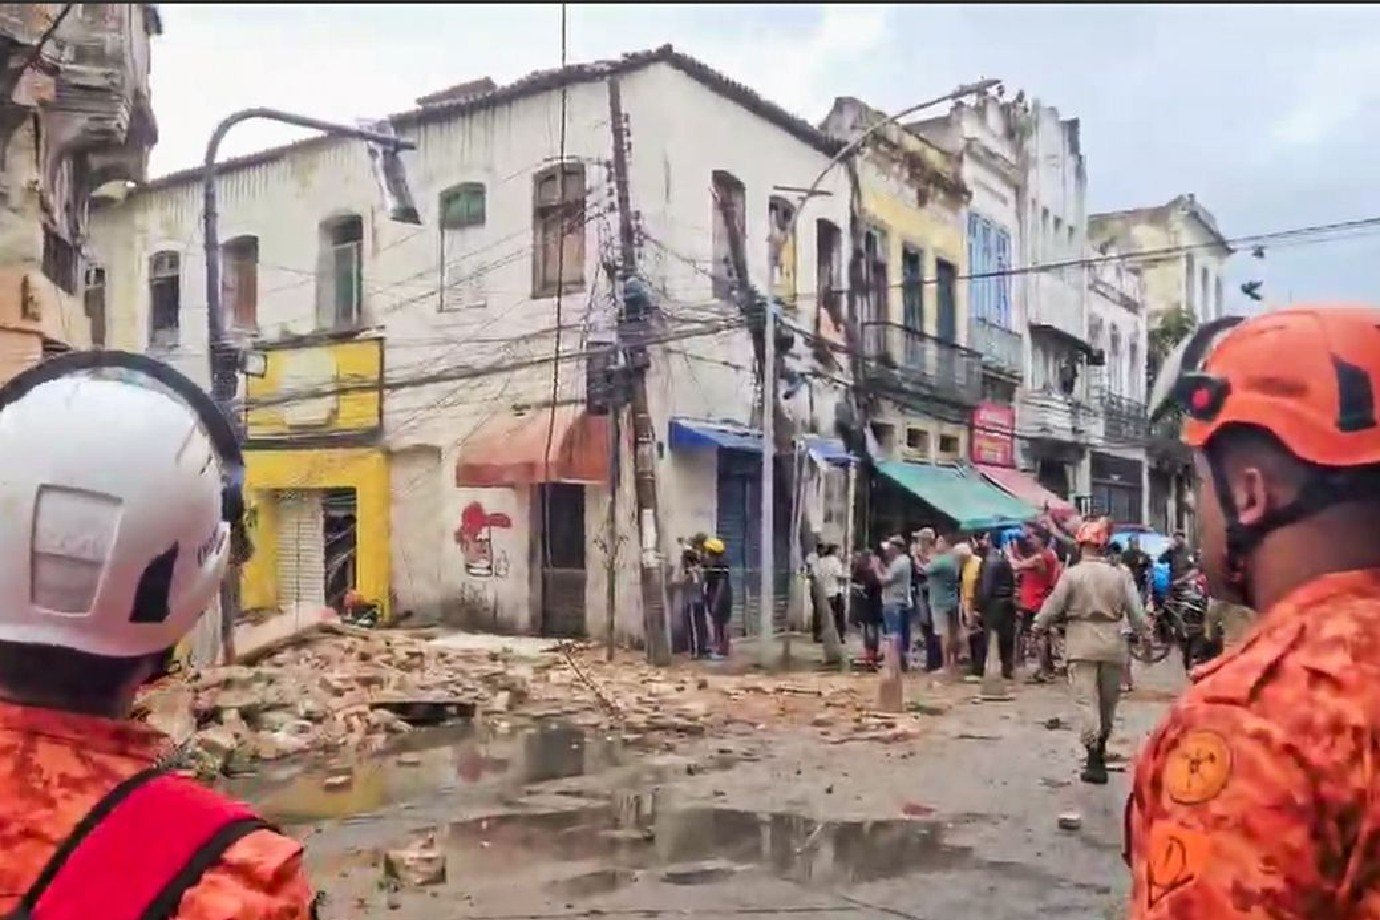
(958, 493)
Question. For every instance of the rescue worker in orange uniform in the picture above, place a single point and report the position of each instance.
(1095, 600)
(113, 540)
(1256, 796)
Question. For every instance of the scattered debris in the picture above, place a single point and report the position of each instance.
(416, 866)
(329, 688)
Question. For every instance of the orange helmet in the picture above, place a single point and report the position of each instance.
(1095, 532)
(1307, 375)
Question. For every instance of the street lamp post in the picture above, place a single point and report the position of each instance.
(223, 355)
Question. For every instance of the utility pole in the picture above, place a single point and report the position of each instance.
(615, 475)
(654, 601)
(750, 302)
(223, 355)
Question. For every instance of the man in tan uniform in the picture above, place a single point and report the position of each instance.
(1094, 598)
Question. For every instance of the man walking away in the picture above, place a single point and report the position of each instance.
(830, 569)
(718, 593)
(894, 573)
(997, 601)
(1094, 598)
(118, 527)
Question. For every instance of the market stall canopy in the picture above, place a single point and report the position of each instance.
(511, 450)
(1028, 490)
(696, 434)
(963, 495)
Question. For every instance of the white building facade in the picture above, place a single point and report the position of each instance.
(1185, 279)
(1057, 418)
(497, 504)
(1117, 329)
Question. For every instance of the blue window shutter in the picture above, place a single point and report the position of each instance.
(1003, 263)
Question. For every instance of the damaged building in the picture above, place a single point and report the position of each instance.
(76, 118)
(442, 463)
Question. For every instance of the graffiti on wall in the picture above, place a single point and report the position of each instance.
(475, 538)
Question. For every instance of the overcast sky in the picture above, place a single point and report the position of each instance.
(1267, 113)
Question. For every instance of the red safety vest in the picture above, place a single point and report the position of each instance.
(137, 852)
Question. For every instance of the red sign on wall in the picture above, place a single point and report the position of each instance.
(994, 434)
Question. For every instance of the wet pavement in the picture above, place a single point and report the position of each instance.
(549, 820)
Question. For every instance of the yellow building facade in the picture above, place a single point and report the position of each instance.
(914, 306)
(316, 477)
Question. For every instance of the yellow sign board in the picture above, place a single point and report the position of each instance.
(328, 388)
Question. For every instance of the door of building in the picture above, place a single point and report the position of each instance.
(738, 524)
(301, 549)
(559, 516)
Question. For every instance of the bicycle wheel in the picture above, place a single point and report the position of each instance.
(1151, 649)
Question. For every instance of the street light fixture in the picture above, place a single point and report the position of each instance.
(224, 358)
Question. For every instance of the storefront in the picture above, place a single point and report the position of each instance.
(994, 435)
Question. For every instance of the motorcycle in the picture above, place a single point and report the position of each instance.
(1180, 621)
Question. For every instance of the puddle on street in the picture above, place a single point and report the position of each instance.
(697, 845)
(441, 760)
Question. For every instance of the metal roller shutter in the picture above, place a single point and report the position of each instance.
(301, 550)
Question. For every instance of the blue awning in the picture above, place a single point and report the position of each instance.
(697, 434)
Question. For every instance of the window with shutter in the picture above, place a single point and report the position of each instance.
(558, 219)
(463, 206)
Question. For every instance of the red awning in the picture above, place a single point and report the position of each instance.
(510, 450)
(1028, 490)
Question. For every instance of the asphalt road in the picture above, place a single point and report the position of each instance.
(962, 823)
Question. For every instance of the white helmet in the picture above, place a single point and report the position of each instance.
(111, 533)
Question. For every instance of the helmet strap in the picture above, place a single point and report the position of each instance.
(1318, 493)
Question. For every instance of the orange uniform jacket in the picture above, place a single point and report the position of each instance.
(1259, 796)
(55, 766)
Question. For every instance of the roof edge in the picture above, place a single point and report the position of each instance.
(531, 85)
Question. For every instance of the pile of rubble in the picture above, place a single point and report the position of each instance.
(336, 689)
(344, 690)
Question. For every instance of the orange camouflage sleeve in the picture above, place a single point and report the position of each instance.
(1225, 821)
(259, 878)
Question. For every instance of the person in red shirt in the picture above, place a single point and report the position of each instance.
(118, 525)
(1036, 574)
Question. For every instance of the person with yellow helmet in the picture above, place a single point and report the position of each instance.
(1255, 796)
(718, 595)
(1094, 598)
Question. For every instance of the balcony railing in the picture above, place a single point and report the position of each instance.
(1046, 414)
(1126, 420)
(1000, 347)
(922, 364)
